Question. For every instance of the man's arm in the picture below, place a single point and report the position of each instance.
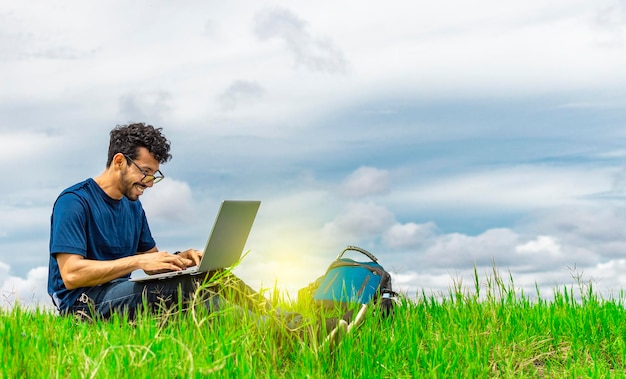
(77, 271)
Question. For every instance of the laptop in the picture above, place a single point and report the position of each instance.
(226, 242)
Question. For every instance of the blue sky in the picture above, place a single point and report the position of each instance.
(441, 137)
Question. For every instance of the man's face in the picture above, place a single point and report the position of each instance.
(132, 185)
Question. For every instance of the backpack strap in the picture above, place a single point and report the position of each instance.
(362, 251)
(348, 262)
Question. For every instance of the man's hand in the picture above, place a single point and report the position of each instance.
(191, 254)
(162, 261)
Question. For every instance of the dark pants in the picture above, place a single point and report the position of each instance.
(124, 296)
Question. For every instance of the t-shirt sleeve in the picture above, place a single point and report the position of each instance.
(68, 229)
(146, 242)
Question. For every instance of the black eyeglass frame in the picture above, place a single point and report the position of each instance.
(147, 178)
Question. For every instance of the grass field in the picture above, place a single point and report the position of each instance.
(487, 331)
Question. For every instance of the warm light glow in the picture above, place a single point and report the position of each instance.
(285, 259)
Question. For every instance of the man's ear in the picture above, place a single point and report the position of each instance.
(119, 160)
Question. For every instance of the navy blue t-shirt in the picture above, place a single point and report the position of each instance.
(87, 222)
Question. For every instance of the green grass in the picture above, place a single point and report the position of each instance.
(490, 331)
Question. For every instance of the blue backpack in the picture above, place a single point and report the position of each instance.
(349, 281)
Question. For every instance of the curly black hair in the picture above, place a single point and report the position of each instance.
(126, 139)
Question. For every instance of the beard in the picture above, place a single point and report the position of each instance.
(130, 189)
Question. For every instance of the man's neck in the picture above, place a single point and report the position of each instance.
(109, 184)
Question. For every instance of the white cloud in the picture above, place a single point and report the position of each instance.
(145, 106)
(583, 247)
(456, 250)
(365, 181)
(359, 221)
(240, 92)
(12, 144)
(23, 219)
(594, 225)
(28, 292)
(4, 271)
(512, 188)
(610, 22)
(541, 245)
(409, 235)
(607, 278)
(313, 52)
(173, 201)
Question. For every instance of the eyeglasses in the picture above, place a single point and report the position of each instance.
(157, 177)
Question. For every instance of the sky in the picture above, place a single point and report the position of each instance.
(444, 137)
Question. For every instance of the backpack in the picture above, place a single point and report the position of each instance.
(348, 282)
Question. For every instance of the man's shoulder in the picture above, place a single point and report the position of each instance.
(79, 187)
(79, 191)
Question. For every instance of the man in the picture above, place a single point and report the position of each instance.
(99, 235)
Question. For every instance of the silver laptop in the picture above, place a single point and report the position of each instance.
(226, 242)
